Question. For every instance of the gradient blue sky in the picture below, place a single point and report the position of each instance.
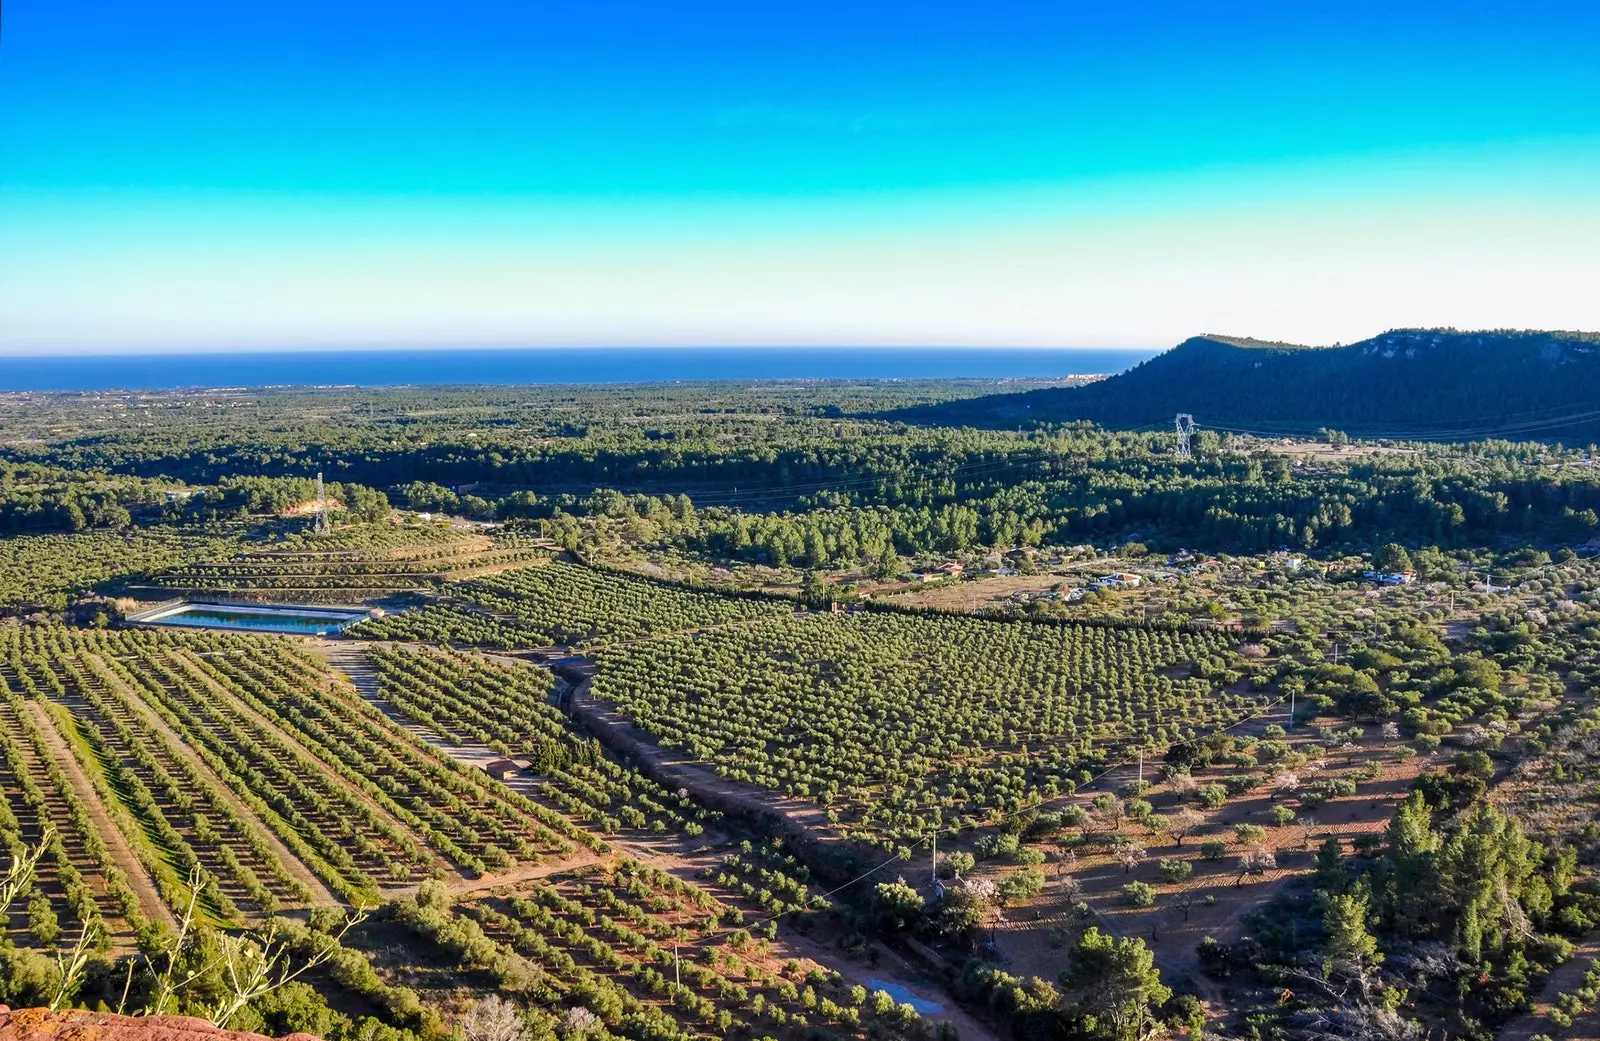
(195, 175)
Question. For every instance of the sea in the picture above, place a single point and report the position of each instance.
(505, 366)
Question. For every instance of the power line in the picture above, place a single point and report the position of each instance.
(1461, 430)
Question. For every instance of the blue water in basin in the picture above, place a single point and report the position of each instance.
(902, 994)
(288, 620)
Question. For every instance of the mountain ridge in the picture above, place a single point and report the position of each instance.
(1424, 384)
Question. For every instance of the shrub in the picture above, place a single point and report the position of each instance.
(1023, 884)
(1175, 870)
(1140, 894)
(997, 845)
(956, 863)
(1216, 960)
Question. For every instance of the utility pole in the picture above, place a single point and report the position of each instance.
(1141, 766)
(677, 973)
(934, 872)
(1184, 423)
(1291, 710)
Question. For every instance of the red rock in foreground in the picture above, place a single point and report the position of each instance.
(80, 1025)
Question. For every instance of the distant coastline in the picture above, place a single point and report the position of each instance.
(553, 365)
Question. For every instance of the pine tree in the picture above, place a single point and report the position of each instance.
(888, 564)
(1330, 872)
(1413, 873)
(1117, 984)
(1348, 947)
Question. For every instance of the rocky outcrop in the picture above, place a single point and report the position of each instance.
(41, 1024)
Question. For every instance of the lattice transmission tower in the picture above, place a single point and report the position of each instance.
(323, 527)
(1185, 426)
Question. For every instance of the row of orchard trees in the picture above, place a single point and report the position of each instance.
(583, 605)
(507, 708)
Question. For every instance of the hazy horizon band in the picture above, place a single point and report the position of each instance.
(509, 366)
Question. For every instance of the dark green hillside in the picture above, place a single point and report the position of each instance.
(1413, 383)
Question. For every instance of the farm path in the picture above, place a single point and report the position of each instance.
(885, 965)
(150, 901)
(350, 659)
(1567, 977)
(321, 894)
(800, 820)
(681, 859)
(804, 821)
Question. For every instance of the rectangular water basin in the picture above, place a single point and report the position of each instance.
(271, 618)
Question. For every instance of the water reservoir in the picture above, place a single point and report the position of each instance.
(299, 619)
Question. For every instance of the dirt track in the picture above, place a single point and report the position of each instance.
(684, 860)
(802, 822)
(149, 900)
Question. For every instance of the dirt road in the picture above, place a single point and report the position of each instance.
(121, 853)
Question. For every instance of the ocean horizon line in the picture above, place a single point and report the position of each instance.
(511, 366)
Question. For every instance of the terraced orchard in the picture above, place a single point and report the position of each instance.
(46, 569)
(452, 625)
(240, 761)
(78, 881)
(583, 606)
(897, 721)
(356, 563)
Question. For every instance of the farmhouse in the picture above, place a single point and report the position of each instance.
(500, 769)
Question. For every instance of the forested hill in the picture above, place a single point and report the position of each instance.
(1427, 384)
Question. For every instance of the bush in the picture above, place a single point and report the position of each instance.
(957, 863)
(997, 845)
(1216, 960)
(1023, 884)
(1175, 870)
(1211, 796)
(1140, 894)
(1214, 849)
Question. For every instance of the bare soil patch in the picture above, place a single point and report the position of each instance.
(1033, 937)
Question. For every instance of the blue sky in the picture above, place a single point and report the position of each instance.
(191, 175)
